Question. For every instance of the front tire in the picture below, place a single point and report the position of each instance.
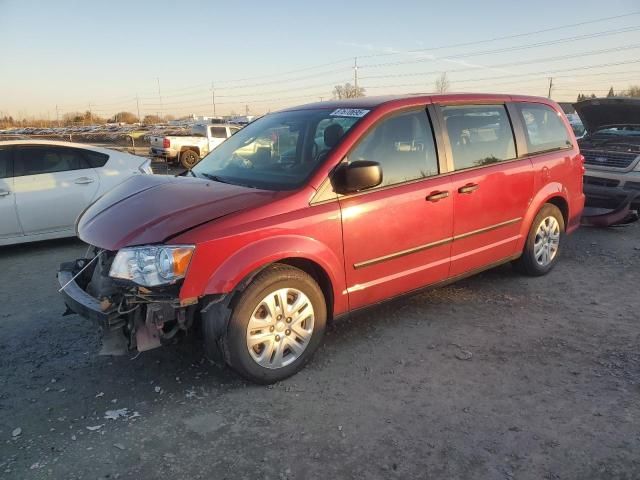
(542, 248)
(276, 325)
(189, 159)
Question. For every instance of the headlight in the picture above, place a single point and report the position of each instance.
(152, 265)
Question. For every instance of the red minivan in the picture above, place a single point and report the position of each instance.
(316, 211)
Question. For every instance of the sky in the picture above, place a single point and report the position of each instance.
(162, 57)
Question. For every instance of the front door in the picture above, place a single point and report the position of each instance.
(491, 187)
(9, 225)
(397, 237)
(53, 185)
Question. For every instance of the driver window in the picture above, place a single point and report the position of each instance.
(404, 147)
(273, 145)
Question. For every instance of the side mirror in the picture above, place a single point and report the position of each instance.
(356, 176)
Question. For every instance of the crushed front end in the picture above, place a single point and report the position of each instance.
(132, 316)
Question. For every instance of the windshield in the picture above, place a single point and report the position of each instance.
(279, 151)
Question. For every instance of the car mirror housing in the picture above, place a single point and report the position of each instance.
(356, 176)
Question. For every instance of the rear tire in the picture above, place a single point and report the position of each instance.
(276, 325)
(544, 242)
(189, 159)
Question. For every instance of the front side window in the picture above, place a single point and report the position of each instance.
(47, 159)
(278, 151)
(544, 128)
(479, 135)
(403, 145)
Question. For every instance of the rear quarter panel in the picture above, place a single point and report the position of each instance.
(556, 174)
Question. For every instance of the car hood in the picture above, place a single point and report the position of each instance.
(597, 113)
(151, 208)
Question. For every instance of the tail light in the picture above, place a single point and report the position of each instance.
(582, 160)
(166, 143)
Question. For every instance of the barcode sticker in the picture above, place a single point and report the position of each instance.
(349, 112)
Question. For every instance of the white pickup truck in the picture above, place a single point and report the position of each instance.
(188, 150)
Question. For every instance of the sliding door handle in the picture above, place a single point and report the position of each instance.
(436, 196)
(83, 180)
(469, 188)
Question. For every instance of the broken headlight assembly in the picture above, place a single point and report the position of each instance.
(152, 265)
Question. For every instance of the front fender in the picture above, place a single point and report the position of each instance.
(256, 255)
(550, 190)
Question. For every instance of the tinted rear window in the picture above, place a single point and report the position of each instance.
(5, 163)
(95, 159)
(544, 128)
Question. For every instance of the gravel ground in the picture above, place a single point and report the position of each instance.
(496, 377)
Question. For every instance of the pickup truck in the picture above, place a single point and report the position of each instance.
(189, 149)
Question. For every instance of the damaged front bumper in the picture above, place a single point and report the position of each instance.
(131, 317)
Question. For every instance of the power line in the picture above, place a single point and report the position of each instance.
(542, 74)
(507, 49)
(508, 64)
(506, 37)
(344, 60)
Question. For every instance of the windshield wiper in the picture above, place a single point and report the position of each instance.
(216, 178)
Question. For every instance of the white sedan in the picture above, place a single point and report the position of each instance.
(45, 185)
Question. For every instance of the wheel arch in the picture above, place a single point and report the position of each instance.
(184, 148)
(553, 193)
(304, 253)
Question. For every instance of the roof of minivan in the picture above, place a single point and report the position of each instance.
(376, 101)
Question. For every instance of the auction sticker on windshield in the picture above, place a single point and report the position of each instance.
(349, 112)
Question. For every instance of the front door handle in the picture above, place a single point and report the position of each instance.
(436, 196)
(4, 193)
(83, 180)
(469, 188)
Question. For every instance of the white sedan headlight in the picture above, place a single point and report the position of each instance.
(152, 265)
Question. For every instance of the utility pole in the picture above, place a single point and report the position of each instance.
(550, 86)
(90, 115)
(57, 117)
(355, 75)
(213, 99)
(160, 97)
(138, 107)
(246, 109)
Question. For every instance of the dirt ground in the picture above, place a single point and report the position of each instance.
(497, 377)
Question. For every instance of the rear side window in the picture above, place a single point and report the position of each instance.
(5, 163)
(403, 145)
(47, 159)
(218, 132)
(544, 128)
(479, 135)
(96, 159)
